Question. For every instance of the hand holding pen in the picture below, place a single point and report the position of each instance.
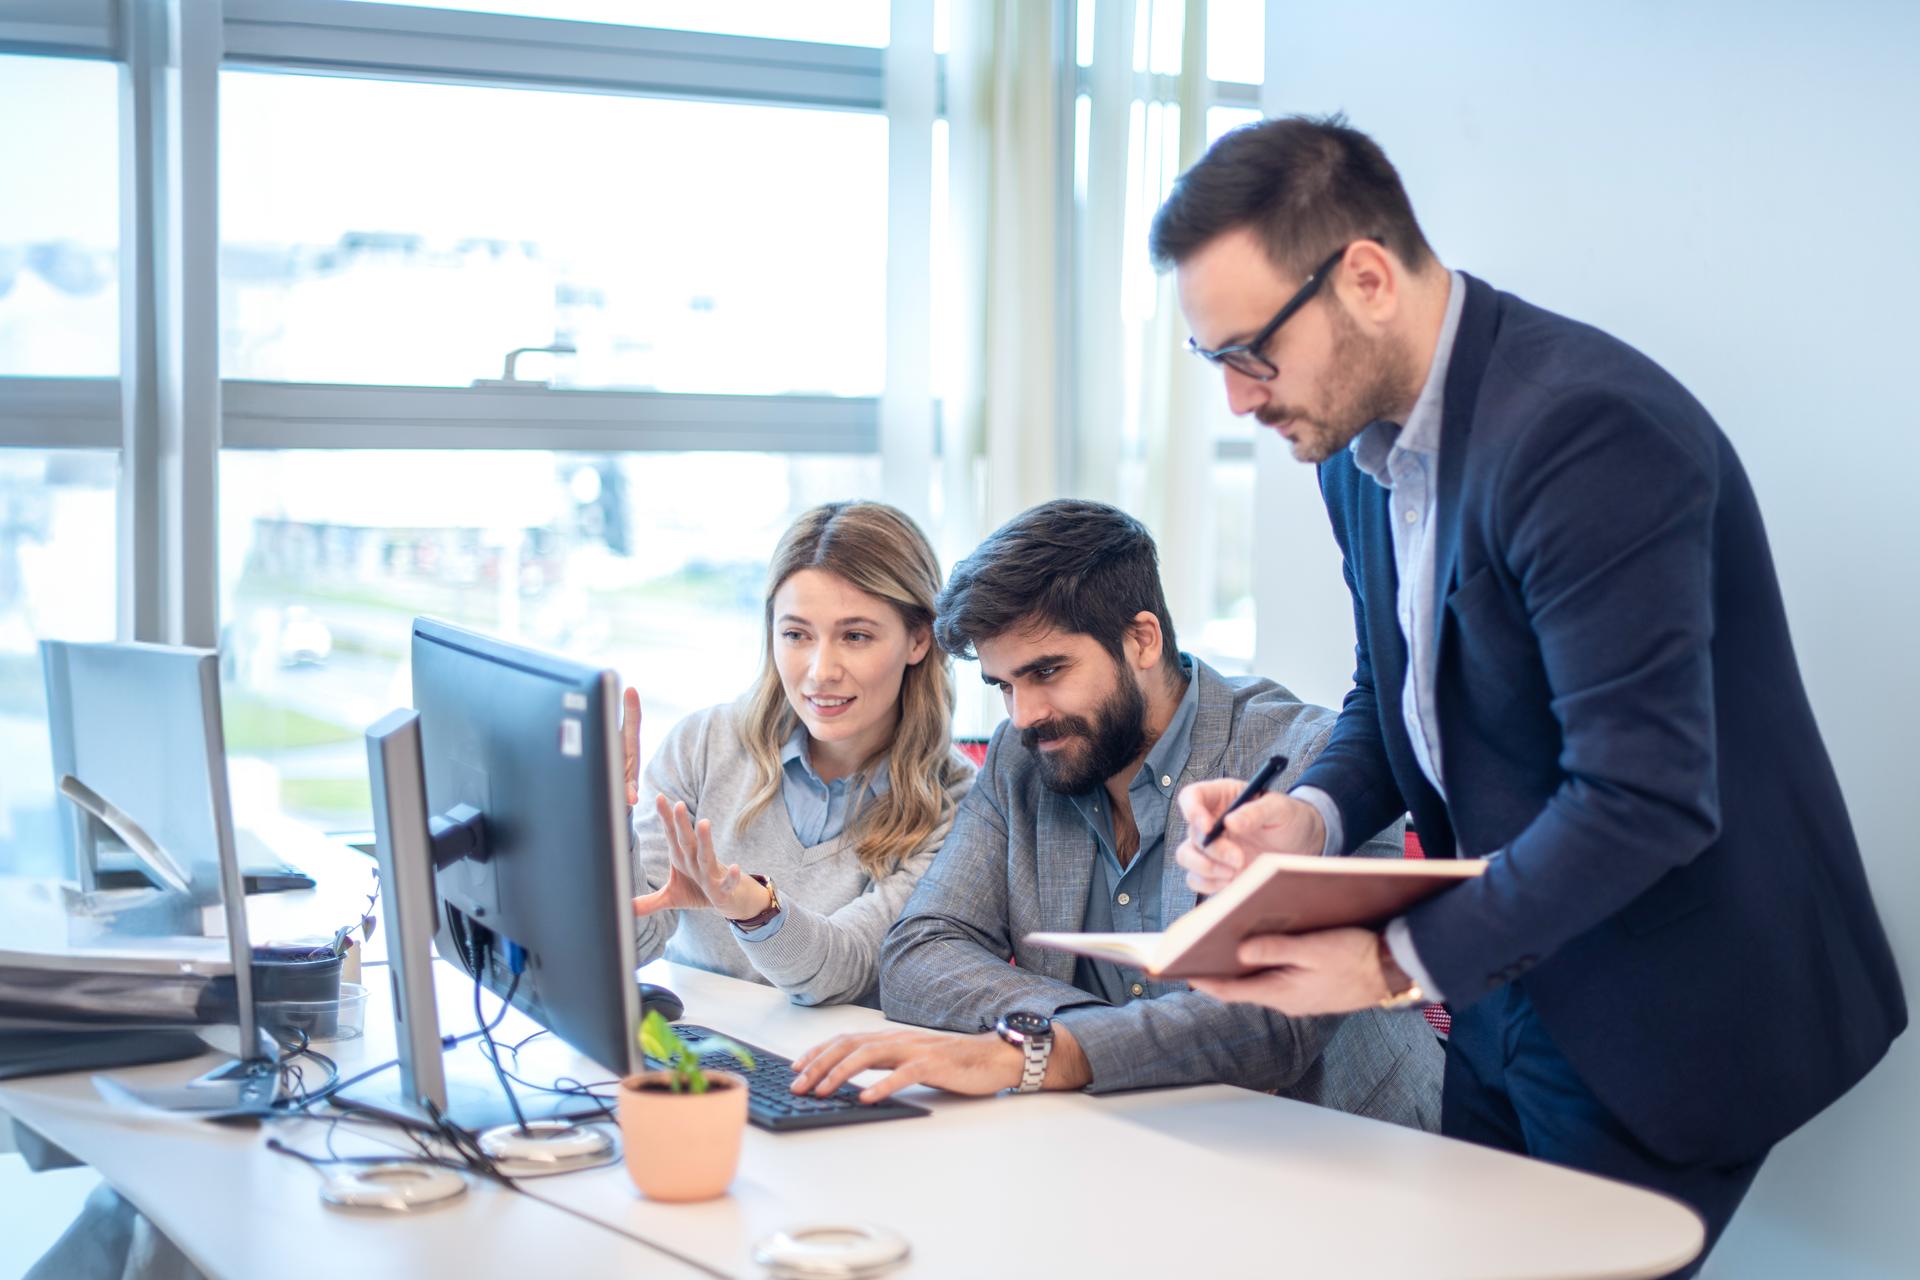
(1229, 823)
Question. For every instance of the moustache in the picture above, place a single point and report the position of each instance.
(1066, 727)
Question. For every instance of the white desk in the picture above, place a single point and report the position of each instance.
(1209, 1181)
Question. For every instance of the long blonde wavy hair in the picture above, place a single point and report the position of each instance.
(880, 551)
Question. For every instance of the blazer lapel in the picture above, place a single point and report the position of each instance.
(1472, 346)
(1063, 858)
(1206, 757)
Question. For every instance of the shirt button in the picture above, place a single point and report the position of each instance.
(1412, 515)
(1166, 780)
(1124, 899)
(1138, 990)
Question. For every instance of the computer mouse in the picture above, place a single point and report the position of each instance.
(657, 997)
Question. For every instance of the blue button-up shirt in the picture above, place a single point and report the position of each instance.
(1128, 899)
(1405, 460)
(818, 809)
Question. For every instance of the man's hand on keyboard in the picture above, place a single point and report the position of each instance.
(978, 1064)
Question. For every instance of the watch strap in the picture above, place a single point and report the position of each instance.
(1399, 996)
(1033, 1069)
(766, 916)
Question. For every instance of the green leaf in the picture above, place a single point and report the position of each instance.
(657, 1039)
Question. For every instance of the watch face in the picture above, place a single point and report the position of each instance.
(1028, 1024)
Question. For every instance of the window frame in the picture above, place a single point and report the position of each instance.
(170, 413)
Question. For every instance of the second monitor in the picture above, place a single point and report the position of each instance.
(502, 833)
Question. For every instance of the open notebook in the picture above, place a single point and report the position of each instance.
(1277, 893)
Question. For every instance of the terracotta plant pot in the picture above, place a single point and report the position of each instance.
(682, 1146)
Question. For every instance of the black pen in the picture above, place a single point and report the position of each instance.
(1255, 786)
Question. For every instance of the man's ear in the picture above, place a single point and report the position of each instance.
(1142, 642)
(1370, 282)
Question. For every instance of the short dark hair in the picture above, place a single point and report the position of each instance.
(1077, 566)
(1306, 185)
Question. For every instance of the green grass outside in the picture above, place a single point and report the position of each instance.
(328, 799)
(257, 727)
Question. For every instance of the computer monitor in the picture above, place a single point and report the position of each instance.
(140, 761)
(139, 753)
(500, 825)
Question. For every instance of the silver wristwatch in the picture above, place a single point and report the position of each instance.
(1032, 1035)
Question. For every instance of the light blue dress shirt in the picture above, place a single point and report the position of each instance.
(817, 808)
(1405, 461)
(1128, 899)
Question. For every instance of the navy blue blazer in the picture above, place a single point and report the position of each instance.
(1622, 718)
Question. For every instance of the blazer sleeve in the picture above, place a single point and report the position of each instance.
(1605, 518)
(1353, 769)
(1185, 1037)
(946, 961)
(832, 958)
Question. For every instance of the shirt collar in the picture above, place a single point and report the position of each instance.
(1168, 759)
(1374, 447)
(794, 754)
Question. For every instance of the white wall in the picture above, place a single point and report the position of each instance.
(1733, 187)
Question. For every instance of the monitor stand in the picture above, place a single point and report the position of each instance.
(475, 1100)
(558, 1137)
(238, 1087)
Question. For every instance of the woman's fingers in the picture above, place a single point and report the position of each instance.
(630, 743)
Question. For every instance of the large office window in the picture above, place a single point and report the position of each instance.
(652, 564)
(392, 233)
(59, 218)
(56, 582)
(713, 259)
(59, 349)
(855, 22)
(693, 200)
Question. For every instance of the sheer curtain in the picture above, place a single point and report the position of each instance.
(1004, 121)
(1068, 123)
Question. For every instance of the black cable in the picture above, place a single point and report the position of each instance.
(522, 1043)
(446, 1042)
(492, 1052)
(575, 1089)
(421, 1151)
(475, 1161)
(281, 1148)
(335, 1085)
(467, 1145)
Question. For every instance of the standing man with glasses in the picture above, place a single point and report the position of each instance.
(1572, 658)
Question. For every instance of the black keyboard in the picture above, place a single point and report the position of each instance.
(772, 1104)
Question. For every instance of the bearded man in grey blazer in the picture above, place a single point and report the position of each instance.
(1071, 825)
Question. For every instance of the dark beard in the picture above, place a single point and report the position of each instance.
(1367, 381)
(1115, 736)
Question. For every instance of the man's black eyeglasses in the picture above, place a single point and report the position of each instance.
(1246, 357)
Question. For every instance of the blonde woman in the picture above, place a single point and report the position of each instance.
(779, 835)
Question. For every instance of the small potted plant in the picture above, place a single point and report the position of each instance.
(681, 1126)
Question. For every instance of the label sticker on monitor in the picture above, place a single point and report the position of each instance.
(574, 701)
(570, 737)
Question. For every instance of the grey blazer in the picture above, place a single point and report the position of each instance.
(1020, 859)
